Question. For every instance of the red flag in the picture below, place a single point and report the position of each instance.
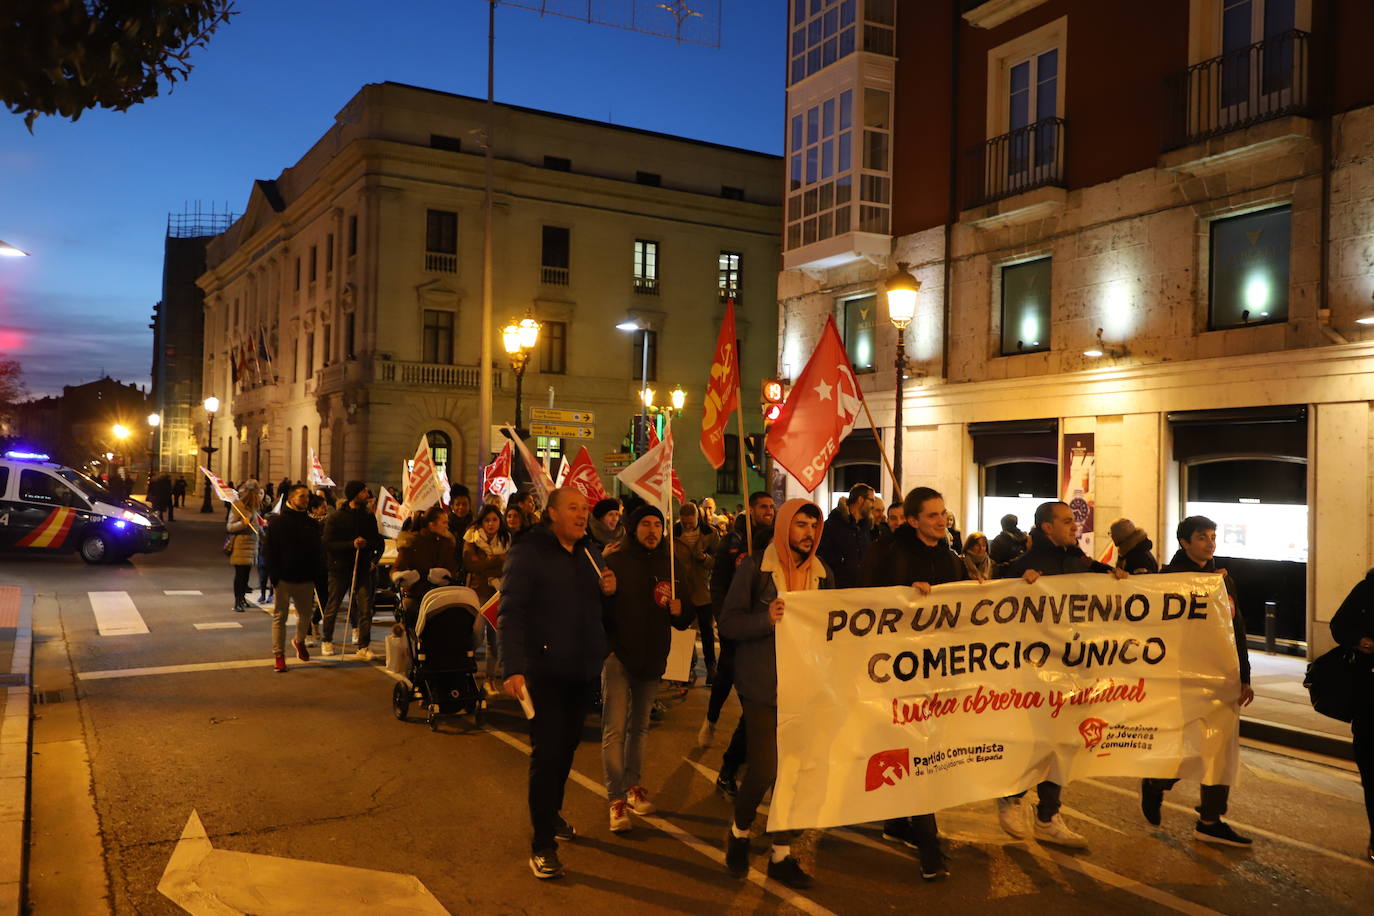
(819, 412)
(678, 492)
(496, 478)
(539, 475)
(722, 391)
(491, 610)
(581, 473)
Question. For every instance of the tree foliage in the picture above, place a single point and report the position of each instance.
(62, 57)
(12, 387)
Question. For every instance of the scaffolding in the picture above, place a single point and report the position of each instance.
(194, 221)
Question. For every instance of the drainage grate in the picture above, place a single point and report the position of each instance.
(48, 697)
(14, 680)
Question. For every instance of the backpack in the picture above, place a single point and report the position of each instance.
(1330, 681)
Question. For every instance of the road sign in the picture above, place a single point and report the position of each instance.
(618, 458)
(562, 431)
(559, 415)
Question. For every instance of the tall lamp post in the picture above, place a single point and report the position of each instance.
(519, 339)
(902, 288)
(211, 405)
(154, 421)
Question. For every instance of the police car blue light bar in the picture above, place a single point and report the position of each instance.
(26, 456)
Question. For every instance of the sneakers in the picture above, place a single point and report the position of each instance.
(1012, 816)
(300, 650)
(736, 853)
(1058, 832)
(563, 830)
(638, 801)
(327, 648)
(725, 784)
(1221, 834)
(934, 863)
(620, 816)
(789, 872)
(1151, 801)
(240, 607)
(545, 865)
(706, 734)
(279, 663)
(355, 636)
(312, 641)
(364, 654)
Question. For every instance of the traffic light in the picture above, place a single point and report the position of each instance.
(754, 451)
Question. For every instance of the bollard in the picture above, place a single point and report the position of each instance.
(1271, 626)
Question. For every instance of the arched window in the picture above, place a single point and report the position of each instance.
(440, 446)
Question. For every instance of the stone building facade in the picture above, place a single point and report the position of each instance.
(1143, 269)
(343, 310)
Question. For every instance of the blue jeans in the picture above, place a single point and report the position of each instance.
(626, 702)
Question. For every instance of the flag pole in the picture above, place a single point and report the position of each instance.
(887, 462)
(743, 467)
(668, 523)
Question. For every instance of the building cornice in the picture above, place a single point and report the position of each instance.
(993, 13)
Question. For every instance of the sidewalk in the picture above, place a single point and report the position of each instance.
(1282, 712)
(16, 656)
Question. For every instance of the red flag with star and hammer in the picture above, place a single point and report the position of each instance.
(819, 412)
(722, 391)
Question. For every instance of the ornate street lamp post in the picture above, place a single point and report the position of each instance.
(520, 338)
(211, 405)
(154, 421)
(902, 288)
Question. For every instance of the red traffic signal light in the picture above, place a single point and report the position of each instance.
(772, 391)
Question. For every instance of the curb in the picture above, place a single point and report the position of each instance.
(16, 736)
(1301, 738)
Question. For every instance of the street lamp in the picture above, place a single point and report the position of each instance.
(678, 398)
(154, 421)
(520, 338)
(211, 405)
(902, 288)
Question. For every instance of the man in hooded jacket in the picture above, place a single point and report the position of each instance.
(750, 616)
(637, 628)
(1010, 542)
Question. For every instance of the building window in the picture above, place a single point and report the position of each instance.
(880, 22)
(329, 253)
(350, 336)
(441, 241)
(558, 163)
(638, 368)
(1249, 268)
(652, 179)
(310, 355)
(314, 262)
(1026, 307)
(730, 193)
(327, 352)
(553, 354)
(728, 275)
(450, 144)
(554, 255)
(549, 449)
(822, 33)
(440, 447)
(858, 317)
(824, 149)
(438, 339)
(646, 267)
(727, 476)
(353, 235)
(298, 274)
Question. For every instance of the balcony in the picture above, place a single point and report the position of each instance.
(432, 375)
(646, 286)
(554, 276)
(1263, 82)
(1023, 160)
(438, 262)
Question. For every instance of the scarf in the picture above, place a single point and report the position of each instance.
(491, 546)
(781, 562)
(978, 569)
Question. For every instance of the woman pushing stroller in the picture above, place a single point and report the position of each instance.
(426, 556)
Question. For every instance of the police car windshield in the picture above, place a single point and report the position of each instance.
(87, 487)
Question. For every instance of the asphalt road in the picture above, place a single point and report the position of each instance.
(311, 767)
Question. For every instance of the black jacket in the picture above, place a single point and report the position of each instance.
(340, 528)
(843, 542)
(1354, 619)
(1139, 559)
(744, 618)
(1181, 564)
(636, 622)
(730, 554)
(552, 621)
(1049, 560)
(293, 549)
(1007, 547)
(903, 558)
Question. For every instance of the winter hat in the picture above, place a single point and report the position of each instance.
(603, 506)
(1009, 522)
(353, 488)
(643, 512)
(1122, 529)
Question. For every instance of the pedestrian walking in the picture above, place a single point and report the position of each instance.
(1353, 628)
(553, 644)
(697, 542)
(606, 522)
(1053, 551)
(977, 563)
(485, 546)
(179, 492)
(353, 545)
(1009, 543)
(1135, 552)
(459, 511)
(245, 532)
(847, 536)
(750, 616)
(1197, 547)
(426, 557)
(294, 552)
(638, 632)
(515, 524)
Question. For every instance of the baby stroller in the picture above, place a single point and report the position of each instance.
(440, 671)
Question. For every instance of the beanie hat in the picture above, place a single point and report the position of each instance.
(1009, 522)
(1122, 528)
(353, 488)
(643, 512)
(603, 506)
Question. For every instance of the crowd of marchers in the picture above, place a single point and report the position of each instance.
(589, 595)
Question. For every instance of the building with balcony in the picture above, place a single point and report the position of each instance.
(1144, 235)
(343, 310)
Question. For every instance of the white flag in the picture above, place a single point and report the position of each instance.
(651, 476)
(317, 476)
(444, 486)
(276, 510)
(538, 473)
(223, 492)
(424, 480)
(389, 515)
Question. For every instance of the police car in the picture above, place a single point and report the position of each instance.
(46, 506)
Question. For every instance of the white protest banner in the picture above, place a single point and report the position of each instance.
(423, 490)
(389, 516)
(893, 704)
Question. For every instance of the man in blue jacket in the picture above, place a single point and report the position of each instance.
(553, 643)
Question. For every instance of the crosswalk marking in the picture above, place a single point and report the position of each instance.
(226, 625)
(115, 614)
(182, 591)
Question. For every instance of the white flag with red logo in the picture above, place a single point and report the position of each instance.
(651, 476)
(819, 412)
(389, 514)
(225, 493)
(496, 478)
(543, 483)
(679, 493)
(424, 479)
(318, 478)
(581, 473)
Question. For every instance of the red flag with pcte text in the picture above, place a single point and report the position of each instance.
(819, 412)
(722, 391)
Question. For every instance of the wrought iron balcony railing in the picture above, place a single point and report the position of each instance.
(1022, 160)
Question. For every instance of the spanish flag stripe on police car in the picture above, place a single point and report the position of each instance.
(52, 531)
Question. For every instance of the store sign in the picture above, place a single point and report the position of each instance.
(1078, 485)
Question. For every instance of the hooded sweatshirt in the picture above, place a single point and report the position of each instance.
(639, 612)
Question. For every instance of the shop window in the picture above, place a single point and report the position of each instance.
(1249, 268)
(1016, 488)
(1026, 307)
(440, 446)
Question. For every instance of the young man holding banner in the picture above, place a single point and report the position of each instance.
(750, 616)
(1053, 551)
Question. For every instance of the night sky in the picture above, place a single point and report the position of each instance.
(90, 200)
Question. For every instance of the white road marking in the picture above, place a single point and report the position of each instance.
(182, 591)
(115, 614)
(220, 666)
(226, 625)
(1096, 872)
